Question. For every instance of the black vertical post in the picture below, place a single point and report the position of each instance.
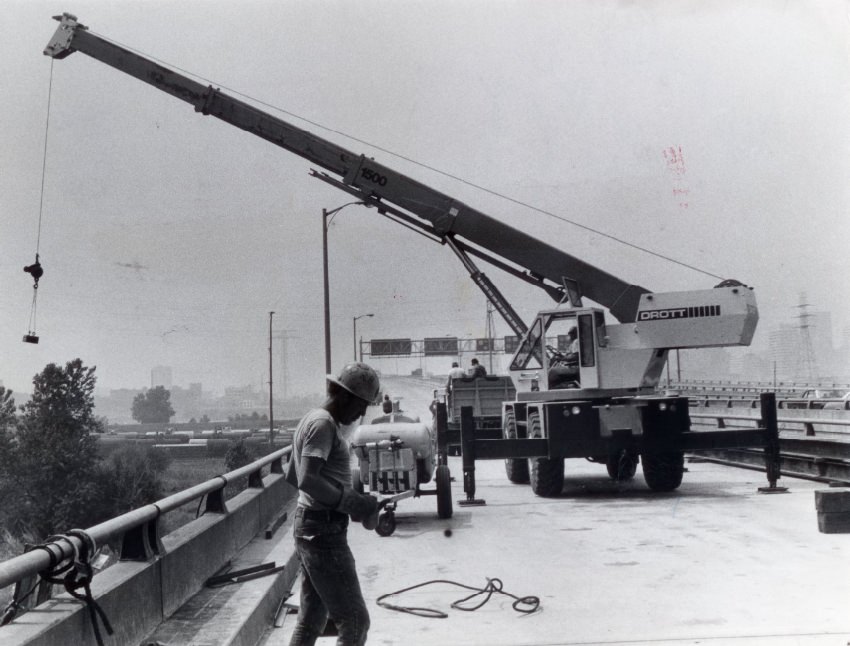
(467, 448)
(772, 461)
(442, 422)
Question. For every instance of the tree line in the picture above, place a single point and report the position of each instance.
(52, 476)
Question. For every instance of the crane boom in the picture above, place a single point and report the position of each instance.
(439, 214)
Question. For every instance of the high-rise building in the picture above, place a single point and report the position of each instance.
(161, 376)
(803, 351)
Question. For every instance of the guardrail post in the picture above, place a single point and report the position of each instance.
(215, 500)
(277, 465)
(255, 479)
(142, 543)
(772, 458)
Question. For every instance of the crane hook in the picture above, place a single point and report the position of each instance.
(35, 270)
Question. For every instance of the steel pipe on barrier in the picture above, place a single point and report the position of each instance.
(60, 548)
(782, 420)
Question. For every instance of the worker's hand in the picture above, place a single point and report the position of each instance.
(360, 506)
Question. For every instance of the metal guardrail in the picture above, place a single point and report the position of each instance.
(779, 387)
(138, 529)
(830, 417)
(825, 458)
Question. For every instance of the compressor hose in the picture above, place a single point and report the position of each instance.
(527, 604)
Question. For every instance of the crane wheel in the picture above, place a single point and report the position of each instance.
(663, 471)
(515, 468)
(622, 465)
(547, 474)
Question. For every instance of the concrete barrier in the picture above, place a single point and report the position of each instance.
(138, 596)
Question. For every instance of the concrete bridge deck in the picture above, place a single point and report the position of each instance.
(713, 563)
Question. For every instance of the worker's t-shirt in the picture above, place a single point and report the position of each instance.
(318, 436)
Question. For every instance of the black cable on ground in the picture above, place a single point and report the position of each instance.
(525, 605)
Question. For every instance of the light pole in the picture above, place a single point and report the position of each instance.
(325, 224)
(356, 318)
(271, 396)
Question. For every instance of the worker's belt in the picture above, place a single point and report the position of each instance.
(323, 515)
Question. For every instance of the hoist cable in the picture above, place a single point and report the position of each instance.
(36, 270)
(33, 310)
(44, 158)
(427, 166)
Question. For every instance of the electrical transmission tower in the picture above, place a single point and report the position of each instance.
(806, 355)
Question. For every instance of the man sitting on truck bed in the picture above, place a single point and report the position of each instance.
(455, 373)
(477, 370)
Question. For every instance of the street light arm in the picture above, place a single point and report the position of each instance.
(327, 303)
(329, 214)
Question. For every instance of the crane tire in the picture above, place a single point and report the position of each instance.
(622, 465)
(547, 474)
(515, 468)
(663, 471)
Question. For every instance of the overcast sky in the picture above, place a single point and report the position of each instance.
(167, 237)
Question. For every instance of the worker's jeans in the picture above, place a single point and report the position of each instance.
(329, 584)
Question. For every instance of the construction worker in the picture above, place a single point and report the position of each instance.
(572, 347)
(477, 370)
(563, 370)
(455, 373)
(326, 500)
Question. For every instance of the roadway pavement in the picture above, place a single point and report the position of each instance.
(713, 563)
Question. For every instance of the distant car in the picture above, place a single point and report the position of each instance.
(823, 393)
(840, 404)
(816, 398)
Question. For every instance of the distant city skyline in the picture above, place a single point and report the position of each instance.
(782, 353)
(783, 348)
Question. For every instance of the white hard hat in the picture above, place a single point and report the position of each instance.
(360, 380)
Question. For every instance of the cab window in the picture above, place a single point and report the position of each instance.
(585, 341)
(529, 354)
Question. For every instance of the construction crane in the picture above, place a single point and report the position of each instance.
(598, 400)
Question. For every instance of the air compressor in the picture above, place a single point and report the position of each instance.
(395, 457)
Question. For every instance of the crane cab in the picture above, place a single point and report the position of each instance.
(549, 359)
(628, 358)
